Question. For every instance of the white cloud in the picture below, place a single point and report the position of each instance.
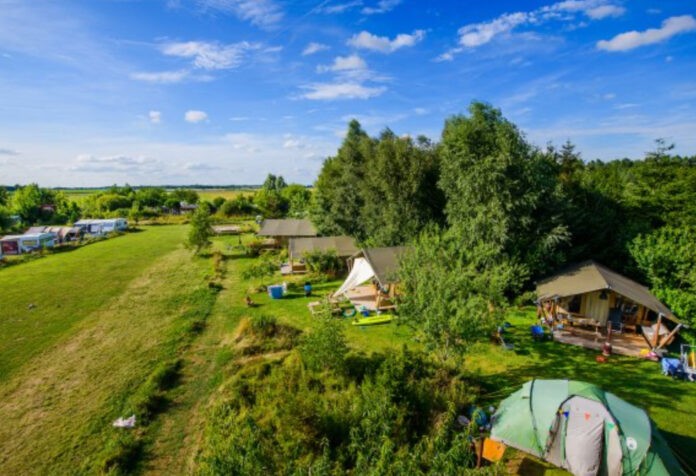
(347, 90)
(155, 117)
(608, 96)
(339, 7)
(478, 34)
(200, 167)
(481, 33)
(312, 48)
(262, 13)
(383, 44)
(195, 116)
(383, 6)
(604, 11)
(10, 152)
(292, 142)
(210, 56)
(164, 77)
(634, 39)
(115, 164)
(345, 63)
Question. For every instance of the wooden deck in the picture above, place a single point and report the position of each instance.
(363, 296)
(627, 343)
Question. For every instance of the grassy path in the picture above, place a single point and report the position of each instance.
(177, 434)
(57, 408)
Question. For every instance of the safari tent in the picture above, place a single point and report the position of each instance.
(380, 266)
(344, 246)
(280, 231)
(591, 295)
(583, 429)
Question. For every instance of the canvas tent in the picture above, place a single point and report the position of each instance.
(280, 231)
(380, 264)
(344, 246)
(591, 290)
(579, 427)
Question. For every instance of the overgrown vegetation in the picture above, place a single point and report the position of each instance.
(324, 411)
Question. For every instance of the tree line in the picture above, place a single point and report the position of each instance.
(487, 214)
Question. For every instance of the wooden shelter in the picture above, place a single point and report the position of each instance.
(343, 246)
(381, 266)
(280, 231)
(592, 296)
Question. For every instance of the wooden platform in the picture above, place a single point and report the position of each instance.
(627, 343)
(363, 296)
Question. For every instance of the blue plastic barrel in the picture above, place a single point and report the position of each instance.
(276, 292)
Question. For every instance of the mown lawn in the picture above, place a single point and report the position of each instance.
(106, 316)
(42, 300)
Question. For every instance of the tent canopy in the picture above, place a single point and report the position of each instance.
(580, 427)
(361, 272)
(343, 245)
(384, 262)
(287, 228)
(590, 276)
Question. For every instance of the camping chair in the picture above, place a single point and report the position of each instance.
(499, 337)
(614, 321)
(672, 367)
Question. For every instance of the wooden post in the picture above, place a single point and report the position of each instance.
(657, 332)
(669, 336)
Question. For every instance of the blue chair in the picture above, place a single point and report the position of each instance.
(672, 367)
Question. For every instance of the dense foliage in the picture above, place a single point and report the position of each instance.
(324, 411)
(501, 213)
(381, 191)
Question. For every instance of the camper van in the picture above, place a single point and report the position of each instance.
(18, 244)
(102, 226)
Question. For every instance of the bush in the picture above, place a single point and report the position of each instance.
(326, 262)
(325, 346)
(266, 266)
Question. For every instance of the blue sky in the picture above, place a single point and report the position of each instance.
(95, 92)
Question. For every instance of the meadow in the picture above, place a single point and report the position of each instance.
(91, 334)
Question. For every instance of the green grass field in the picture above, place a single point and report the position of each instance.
(79, 194)
(106, 315)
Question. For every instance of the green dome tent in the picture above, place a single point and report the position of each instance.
(582, 428)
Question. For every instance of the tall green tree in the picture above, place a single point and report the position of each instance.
(500, 190)
(298, 198)
(200, 229)
(338, 196)
(455, 295)
(400, 190)
(269, 198)
(667, 257)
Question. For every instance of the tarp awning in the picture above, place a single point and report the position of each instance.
(287, 227)
(385, 262)
(590, 276)
(343, 245)
(361, 272)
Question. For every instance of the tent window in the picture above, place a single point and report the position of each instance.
(574, 304)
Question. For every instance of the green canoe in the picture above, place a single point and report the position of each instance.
(373, 320)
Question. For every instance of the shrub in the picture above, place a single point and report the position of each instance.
(326, 262)
(325, 346)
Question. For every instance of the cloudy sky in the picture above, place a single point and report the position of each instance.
(96, 92)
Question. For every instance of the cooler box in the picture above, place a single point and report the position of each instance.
(276, 292)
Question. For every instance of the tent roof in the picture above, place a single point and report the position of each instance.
(525, 418)
(287, 227)
(344, 245)
(384, 262)
(590, 276)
